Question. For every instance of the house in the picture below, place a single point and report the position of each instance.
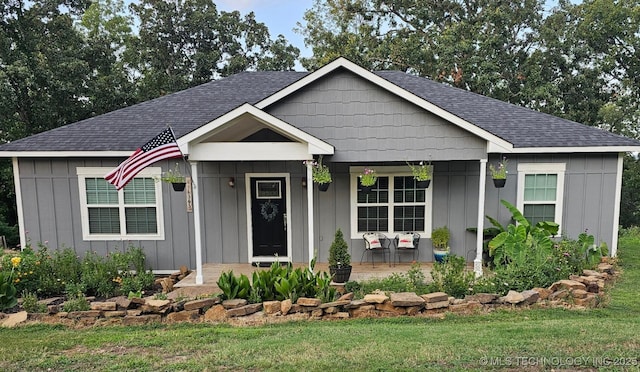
(246, 137)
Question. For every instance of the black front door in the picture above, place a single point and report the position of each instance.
(269, 216)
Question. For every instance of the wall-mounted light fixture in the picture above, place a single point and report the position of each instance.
(232, 182)
(304, 182)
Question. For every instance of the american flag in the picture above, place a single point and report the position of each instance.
(162, 146)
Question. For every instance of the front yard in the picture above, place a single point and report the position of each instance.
(534, 339)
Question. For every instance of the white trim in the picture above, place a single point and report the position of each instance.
(543, 168)
(561, 150)
(616, 207)
(315, 146)
(477, 262)
(197, 228)
(287, 179)
(392, 171)
(310, 221)
(249, 151)
(99, 172)
(19, 208)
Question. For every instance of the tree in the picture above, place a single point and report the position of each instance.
(188, 42)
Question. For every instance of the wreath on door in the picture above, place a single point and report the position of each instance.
(269, 210)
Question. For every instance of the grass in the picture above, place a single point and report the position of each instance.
(536, 339)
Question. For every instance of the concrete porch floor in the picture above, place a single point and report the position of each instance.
(211, 272)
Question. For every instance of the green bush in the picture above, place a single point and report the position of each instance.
(450, 277)
(31, 305)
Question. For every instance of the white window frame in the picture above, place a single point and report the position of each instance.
(401, 171)
(559, 169)
(99, 172)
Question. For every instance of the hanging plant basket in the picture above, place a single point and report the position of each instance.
(324, 186)
(499, 182)
(178, 186)
(423, 184)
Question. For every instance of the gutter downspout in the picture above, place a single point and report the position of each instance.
(477, 263)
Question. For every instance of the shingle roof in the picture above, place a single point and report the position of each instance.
(518, 125)
(187, 110)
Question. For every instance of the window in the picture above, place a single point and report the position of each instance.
(394, 205)
(135, 212)
(540, 191)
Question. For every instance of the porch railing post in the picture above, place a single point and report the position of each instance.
(196, 223)
(310, 211)
(477, 263)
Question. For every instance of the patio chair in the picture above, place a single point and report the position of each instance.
(376, 243)
(408, 242)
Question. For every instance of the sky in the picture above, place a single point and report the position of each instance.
(280, 16)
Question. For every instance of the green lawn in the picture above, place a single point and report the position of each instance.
(606, 338)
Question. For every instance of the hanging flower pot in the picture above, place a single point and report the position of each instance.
(178, 186)
(366, 189)
(423, 184)
(499, 182)
(324, 186)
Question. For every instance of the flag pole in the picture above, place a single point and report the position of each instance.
(184, 158)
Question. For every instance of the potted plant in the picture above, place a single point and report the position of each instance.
(339, 259)
(175, 178)
(321, 173)
(440, 240)
(368, 178)
(499, 173)
(422, 174)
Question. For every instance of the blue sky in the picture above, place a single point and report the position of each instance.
(280, 16)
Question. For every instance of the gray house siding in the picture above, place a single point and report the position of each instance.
(366, 123)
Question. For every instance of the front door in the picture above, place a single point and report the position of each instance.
(269, 218)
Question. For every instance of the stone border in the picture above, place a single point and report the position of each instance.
(578, 292)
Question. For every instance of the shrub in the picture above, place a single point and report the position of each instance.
(412, 281)
(450, 276)
(339, 251)
(31, 305)
(76, 300)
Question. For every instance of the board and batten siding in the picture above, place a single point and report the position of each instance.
(367, 123)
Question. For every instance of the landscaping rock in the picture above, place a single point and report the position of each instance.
(142, 319)
(436, 305)
(182, 316)
(406, 299)
(559, 295)
(104, 306)
(244, 310)
(329, 310)
(338, 315)
(317, 313)
(122, 302)
(12, 320)
(309, 302)
(375, 298)
(435, 297)
(366, 311)
(134, 312)
(590, 300)
(483, 298)
(543, 293)
(115, 314)
(285, 306)
(604, 267)
(84, 314)
(199, 304)
(215, 314)
(272, 307)
(530, 296)
(566, 284)
(346, 297)
(355, 304)
(334, 304)
(513, 298)
(230, 304)
(388, 307)
(579, 293)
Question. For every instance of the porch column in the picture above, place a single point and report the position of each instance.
(310, 211)
(616, 208)
(196, 223)
(477, 263)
